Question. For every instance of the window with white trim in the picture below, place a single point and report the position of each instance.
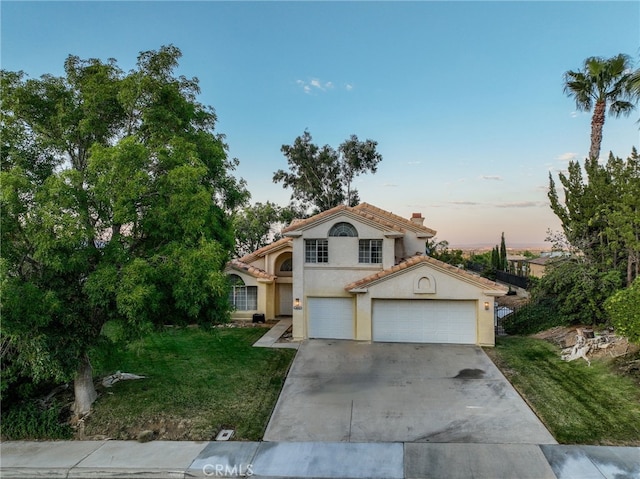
(370, 251)
(242, 297)
(316, 251)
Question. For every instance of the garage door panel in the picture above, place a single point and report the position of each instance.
(425, 321)
(330, 318)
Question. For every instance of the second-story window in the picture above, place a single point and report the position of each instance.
(316, 251)
(343, 229)
(370, 251)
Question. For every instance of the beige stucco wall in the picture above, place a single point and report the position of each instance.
(536, 270)
(446, 286)
(414, 246)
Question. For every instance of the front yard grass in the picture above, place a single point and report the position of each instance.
(198, 382)
(577, 403)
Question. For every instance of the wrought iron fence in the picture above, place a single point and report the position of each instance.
(515, 280)
(499, 315)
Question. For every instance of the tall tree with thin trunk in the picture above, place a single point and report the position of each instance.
(503, 254)
(601, 83)
(321, 177)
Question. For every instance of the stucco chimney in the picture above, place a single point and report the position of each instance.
(417, 218)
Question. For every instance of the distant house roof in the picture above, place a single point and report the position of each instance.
(543, 260)
(366, 212)
(417, 260)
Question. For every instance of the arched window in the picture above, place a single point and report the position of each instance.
(287, 265)
(241, 297)
(343, 229)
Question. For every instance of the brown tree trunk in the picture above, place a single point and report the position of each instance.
(84, 390)
(633, 259)
(597, 124)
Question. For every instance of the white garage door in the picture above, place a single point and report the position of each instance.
(330, 318)
(424, 321)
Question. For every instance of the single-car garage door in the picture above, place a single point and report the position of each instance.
(330, 318)
(424, 321)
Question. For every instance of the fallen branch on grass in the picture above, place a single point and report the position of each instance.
(579, 350)
(109, 381)
(590, 343)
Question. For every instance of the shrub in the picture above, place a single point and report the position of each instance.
(534, 317)
(623, 308)
(578, 290)
(28, 420)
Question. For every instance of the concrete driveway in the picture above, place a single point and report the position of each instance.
(389, 392)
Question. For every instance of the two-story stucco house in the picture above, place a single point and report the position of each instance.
(361, 273)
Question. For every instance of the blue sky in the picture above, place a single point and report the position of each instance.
(465, 99)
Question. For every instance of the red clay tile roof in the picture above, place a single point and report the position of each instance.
(252, 270)
(421, 259)
(275, 246)
(354, 212)
(395, 219)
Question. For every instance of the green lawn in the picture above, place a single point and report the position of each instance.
(199, 381)
(578, 404)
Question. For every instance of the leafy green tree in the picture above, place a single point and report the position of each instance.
(624, 309)
(258, 225)
(576, 289)
(440, 251)
(321, 177)
(116, 198)
(600, 215)
(601, 83)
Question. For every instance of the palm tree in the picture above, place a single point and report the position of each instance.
(600, 83)
(634, 85)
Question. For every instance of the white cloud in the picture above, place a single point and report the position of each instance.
(464, 203)
(520, 204)
(389, 185)
(567, 156)
(574, 114)
(316, 85)
(417, 162)
(489, 177)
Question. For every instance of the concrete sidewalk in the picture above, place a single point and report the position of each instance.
(166, 459)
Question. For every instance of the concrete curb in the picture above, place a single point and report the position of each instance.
(172, 460)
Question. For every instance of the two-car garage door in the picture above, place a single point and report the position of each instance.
(424, 321)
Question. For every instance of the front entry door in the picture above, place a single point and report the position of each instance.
(285, 291)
